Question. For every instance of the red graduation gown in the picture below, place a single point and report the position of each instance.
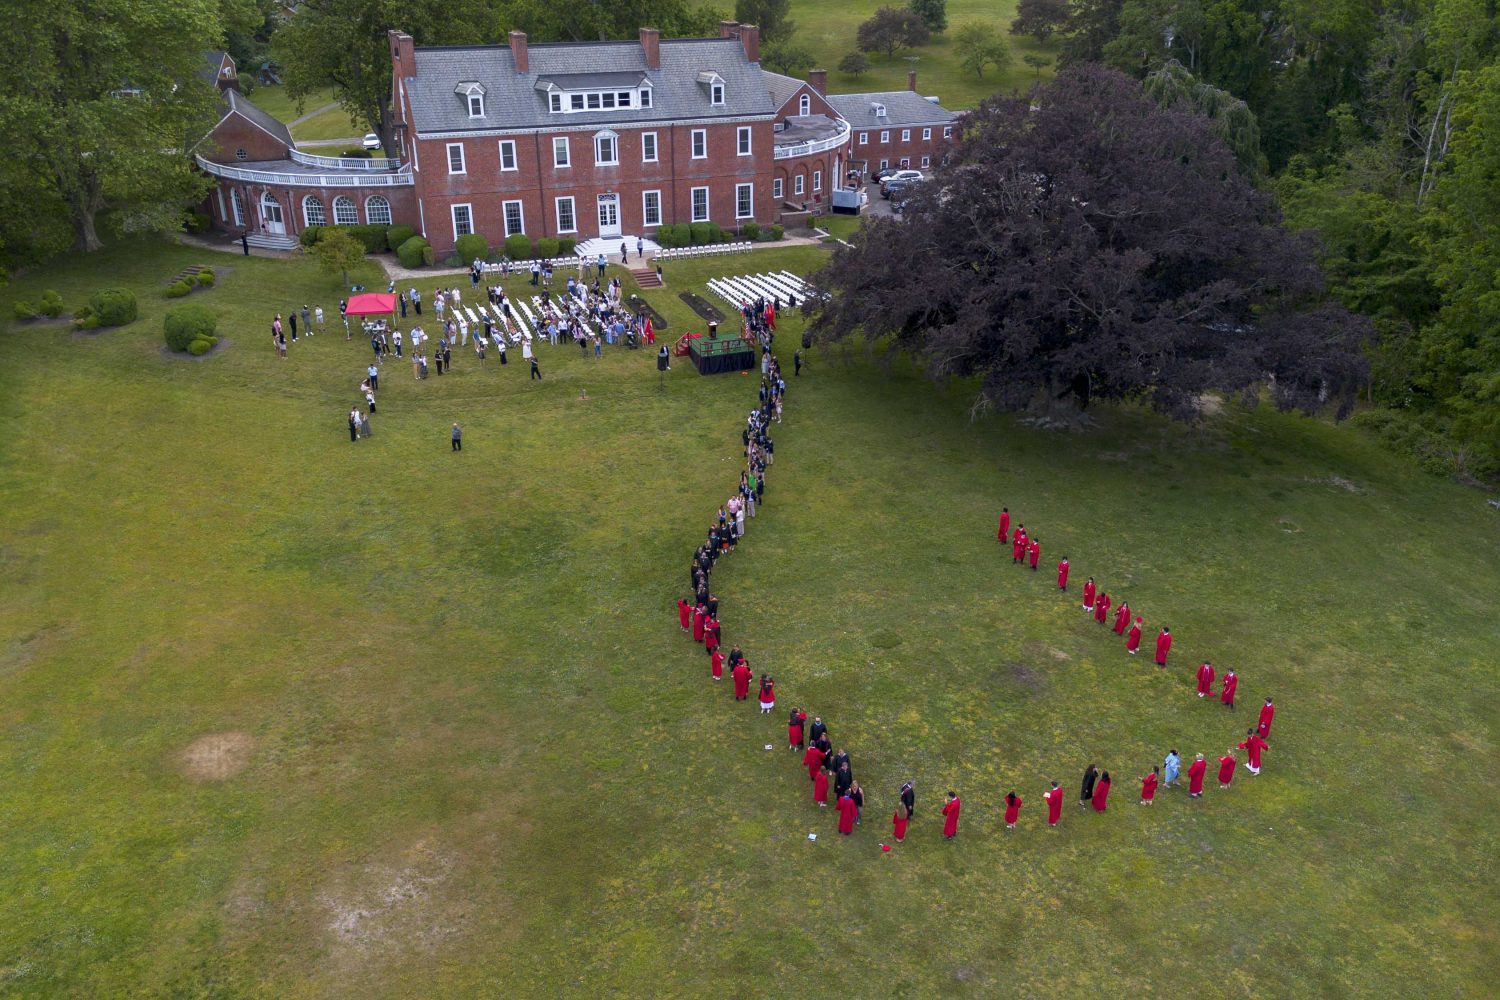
(1035, 551)
(1267, 712)
(768, 694)
(813, 761)
(1254, 745)
(1148, 787)
(1062, 575)
(1012, 810)
(1004, 531)
(1101, 796)
(1088, 595)
(820, 786)
(950, 823)
(711, 634)
(1122, 618)
(846, 810)
(1196, 770)
(1101, 608)
(698, 617)
(1018, 547)
(1054, 806)
(1230, 683)
(716, 663)
(742, 675)
(1163, 645)
(1133, 640)
(898, 823)
(1226, 769)
(684, 614)
(1206, 679)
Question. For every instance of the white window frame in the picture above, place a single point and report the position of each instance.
(646, 213)
(462, 164)
(370, 216)
(563, 227)
(817, 181)
(344, 201)
(804, 106)
(926, 162)
(744, 191)
(927, 135)
(237, 202)
(520, 215)
(312, 201)
(947, 131)
(468, 212)
(885, 135)
(560, 145)
(555, 102)
(906, 163)
(698, 135)
(509, 145)
(649, 138)
(864, 138)
(476, 99)
(644, 100)
(777, 189)
(884, 164)
(693, 202)
(614, 146)
(799, 184)
(716, 94)
(743, 140)
(906, 135)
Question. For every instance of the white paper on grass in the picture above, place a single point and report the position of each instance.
(812, 836)
(768, 746)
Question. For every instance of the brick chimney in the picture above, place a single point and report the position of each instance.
(911, 80)
(403, 53)
(518, 51)
(750, 38)
(651, 46)
(817, 79)
(728, 29)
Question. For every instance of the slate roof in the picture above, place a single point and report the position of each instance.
(237, 102)
(782, 87)
(513, 102)
(903, 109)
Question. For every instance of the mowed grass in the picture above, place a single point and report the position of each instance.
(483, 760)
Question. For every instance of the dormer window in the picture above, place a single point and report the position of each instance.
(645, 97)
(473, 95)
(879, 110)
(715, 84)
(556, 101)
(716, 94)
(476, 105)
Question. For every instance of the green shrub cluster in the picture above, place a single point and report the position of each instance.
(84, 318)
(518, 247)
(198, 221)
(310, 235)
(357, 153)
(1428, 439)
(205, 278)
(178, 289)
(705, 233)
(410, 252)
(25, 310)
(372, 238)
(51, 305)
(397, 235)
(429, 255)
(470, 247)
(190, 328)
(777, 232)
(566, 245)
(114, 306)
(547, 246)
(674, 234)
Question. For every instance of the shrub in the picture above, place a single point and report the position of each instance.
(701, 233)
(750, 230)
(566, 246)
(372, 238)
(25, 310)
(471, 247)
(359, 153)
(185, 324)
(205, 279)
(51, 304)
(777, 232)
(178, 289)
(397, 235)
(409, 253)
(429, 255)
(198, 222)
(114, 306)
(547, 247)
(202, 346)
(518, 247)
(453, 261)
(310, 235)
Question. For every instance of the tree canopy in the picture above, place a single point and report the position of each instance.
(1085, 243)
(892, 29)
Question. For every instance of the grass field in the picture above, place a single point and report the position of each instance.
(286, 716)
(333, 123)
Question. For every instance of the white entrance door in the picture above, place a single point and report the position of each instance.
(609, 215)
(270, 215)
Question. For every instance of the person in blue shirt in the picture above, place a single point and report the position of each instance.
(1171, 767)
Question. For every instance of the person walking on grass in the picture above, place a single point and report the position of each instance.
(1054, 800)
(1171, 768)
(1101, 793)
(354, 424)
(1148, 788)
(950, 816)
(1086, 792)
(1226, 696)
(1254, 746)
(1012, 809)
(1196, 770)
(458, 438)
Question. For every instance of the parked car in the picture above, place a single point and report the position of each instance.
(371, 141)
(896, 190)
(883, 173)
(904, 176)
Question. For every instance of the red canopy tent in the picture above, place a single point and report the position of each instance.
(371, 304)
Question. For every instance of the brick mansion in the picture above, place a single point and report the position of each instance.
(580, 140)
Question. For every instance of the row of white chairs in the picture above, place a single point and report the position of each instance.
(742, 288)
(708, 250)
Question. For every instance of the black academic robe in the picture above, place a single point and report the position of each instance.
(909, 800)
(1089, 777)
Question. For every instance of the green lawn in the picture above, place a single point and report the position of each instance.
(331, 124)
(275, 101)
(479, 759)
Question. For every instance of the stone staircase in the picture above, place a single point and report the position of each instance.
(646, 277)
(266, 241)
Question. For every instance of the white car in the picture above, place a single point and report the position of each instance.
(371, 141)
(909, 176)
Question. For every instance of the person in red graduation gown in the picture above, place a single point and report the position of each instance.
(1012, 809)
(898, 823)
(795, 727)
(1003, 533)
(684, 614)
(820, 788)
(950, 816)
(1101, 608)
(1101, 793)
(1034, 550)
(742, 674)
(710, 633)
(813, 761)
(1205, 679)
(1231, 682)
(1163, 646)
(1267, 713)
(1054, 800)
(1062, 574)
(1122, 617)
(1196, 770)
(650, 331)
(1226, 768)
(1018, 547)
(846, 810)
(1089, 589)
(1253, 746)
(1133, 638)
(716, 665)
(699, 614)
(1148, 787)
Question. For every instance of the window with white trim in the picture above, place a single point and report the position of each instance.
(804, 106)
(648, 147)
(716, 94)
(554, 101)
(947, 131)
(884, 164)
(515, 218)
(651, 208)
(645, 97)
(700, 204)
(700, 144)
(456, 158)
(927, 135)
(906, 135)
(463, 220)
(476, 105)
(237, 202)
(885, 135)
(777, 188)
(905, 163)
(567, 219)
(344, 212)
(926, 162)
(744, 201)
(377, 210)
(560, 151)
(312, 212)
(799, 184)
(606, 149)
(508, 154)
(744, 140)
(817, 181)
(864, 138)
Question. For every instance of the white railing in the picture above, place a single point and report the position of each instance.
(814, 145)
(359, 178)
(346, 162)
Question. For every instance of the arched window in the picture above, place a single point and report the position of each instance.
(238, 203)
(344, 212)
(377, 210)
(804, 106)
(312, 212)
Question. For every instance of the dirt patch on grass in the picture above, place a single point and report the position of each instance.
(217, 756)
(21, 651)
(702, 307)
(384, 906)
(1210, 405)
(1023, 676)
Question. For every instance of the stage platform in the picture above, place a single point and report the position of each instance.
(721, 354)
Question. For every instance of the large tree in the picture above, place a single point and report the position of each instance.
(99, 102)
(891, 29)
(1039, 18)
(1085, 243)
(772, 17)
